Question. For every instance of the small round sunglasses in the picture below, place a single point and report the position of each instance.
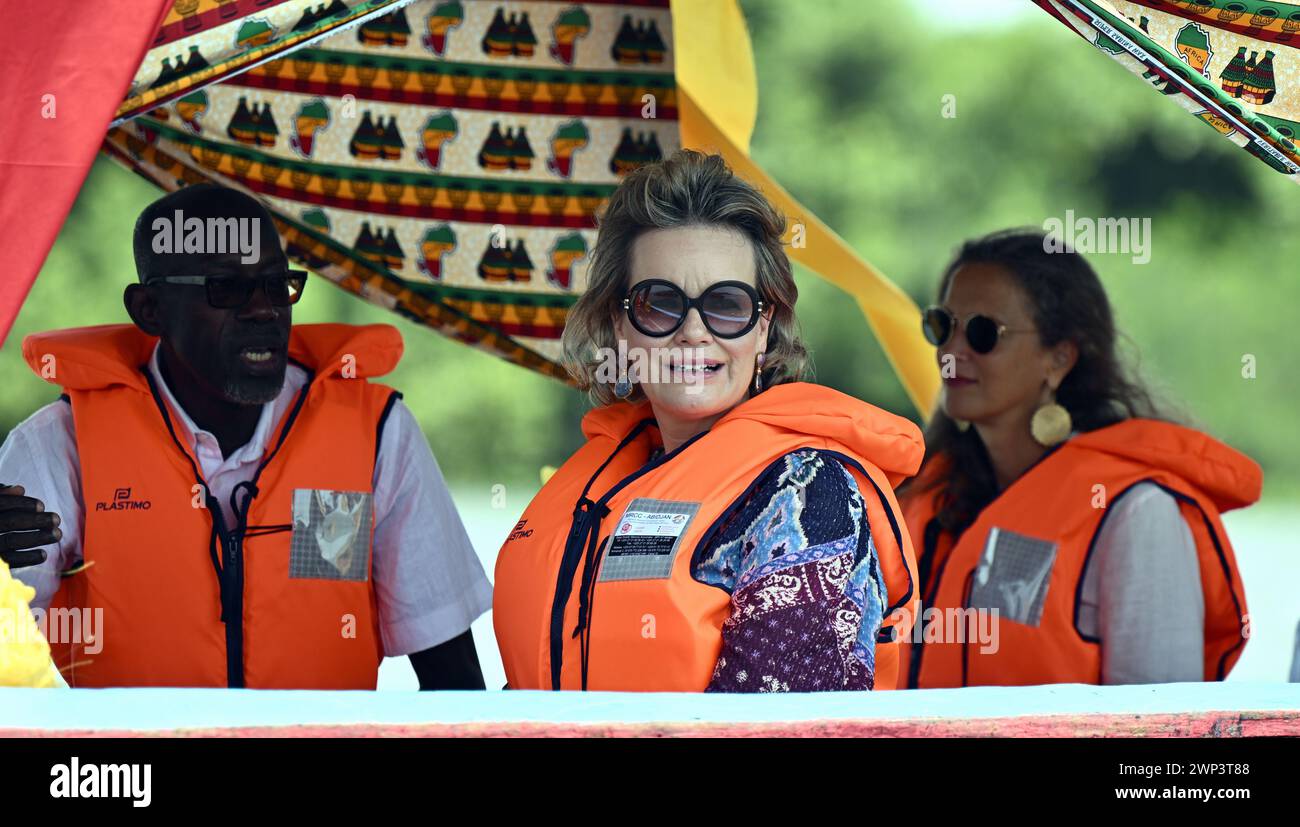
(227, 292)
(982, 333)
(657, 308)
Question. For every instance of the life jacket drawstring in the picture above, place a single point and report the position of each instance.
(580, 549)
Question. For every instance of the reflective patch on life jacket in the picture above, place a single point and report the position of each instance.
(1013, 576)
(331, 535)
(646, 539)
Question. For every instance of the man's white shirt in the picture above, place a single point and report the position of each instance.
(428, 581)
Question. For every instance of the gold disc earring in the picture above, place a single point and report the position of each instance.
(1051, 424)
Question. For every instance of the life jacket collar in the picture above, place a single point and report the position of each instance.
(1228, 477)
(892, 443)
(103, 356)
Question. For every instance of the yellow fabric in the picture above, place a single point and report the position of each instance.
(712, 59)
(24, 654)
(717, 104)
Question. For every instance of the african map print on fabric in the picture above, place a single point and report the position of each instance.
(1235, 64)
(204, 41)
(444, 159)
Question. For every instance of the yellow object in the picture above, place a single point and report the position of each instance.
(566, 146)
(713, 60)
(717, 103)
(433, 249)
(24, 654)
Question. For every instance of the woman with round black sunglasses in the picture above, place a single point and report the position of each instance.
(1054, 494)
(712, 477)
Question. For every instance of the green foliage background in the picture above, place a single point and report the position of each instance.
(850, 121)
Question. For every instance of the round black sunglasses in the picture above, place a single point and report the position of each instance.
(982, 333)
(657, 308)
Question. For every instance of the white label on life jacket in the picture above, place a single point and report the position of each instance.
(644, 542)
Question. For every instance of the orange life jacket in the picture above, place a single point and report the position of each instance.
(574, 610)
(1064, 500)
(186, 600)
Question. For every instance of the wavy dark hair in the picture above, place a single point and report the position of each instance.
(686, 189)
(1069, 304)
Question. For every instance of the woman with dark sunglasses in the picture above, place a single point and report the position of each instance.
(1055, 501)
(726, 526)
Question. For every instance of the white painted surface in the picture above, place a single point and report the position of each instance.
(152, 709)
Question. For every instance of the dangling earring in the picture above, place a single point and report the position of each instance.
(1051, 424)
(963, 425)
(758, 374)
(622, 388)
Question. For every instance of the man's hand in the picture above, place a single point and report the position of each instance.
(25, 525)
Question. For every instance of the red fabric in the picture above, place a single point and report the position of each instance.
(85, 55)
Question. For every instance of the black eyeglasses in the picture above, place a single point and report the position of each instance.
(982, 333)
(226, 292)
(729, 309)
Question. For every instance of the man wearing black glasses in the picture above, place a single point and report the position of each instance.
(221, 499)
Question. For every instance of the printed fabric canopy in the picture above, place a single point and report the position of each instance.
(1235, 64)
(445, 159)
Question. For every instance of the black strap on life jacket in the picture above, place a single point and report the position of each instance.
(229, 563)
(587, 516)
(583, 546)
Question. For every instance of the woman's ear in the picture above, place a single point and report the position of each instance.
(1065, 355)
